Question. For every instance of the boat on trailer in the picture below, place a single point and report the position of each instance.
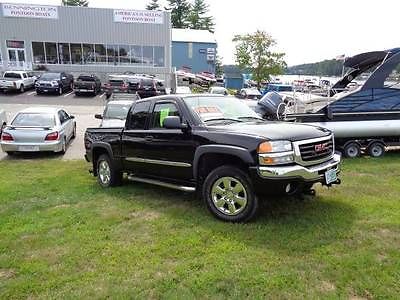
(365, 118)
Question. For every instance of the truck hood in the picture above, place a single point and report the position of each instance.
(275, 130)
(113, 123)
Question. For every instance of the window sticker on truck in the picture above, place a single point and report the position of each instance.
(163, 114)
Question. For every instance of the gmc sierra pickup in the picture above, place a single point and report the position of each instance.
(215, 145)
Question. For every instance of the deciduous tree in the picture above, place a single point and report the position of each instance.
(254, 53)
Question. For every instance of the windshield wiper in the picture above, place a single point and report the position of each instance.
(250, 118)
(223, 119)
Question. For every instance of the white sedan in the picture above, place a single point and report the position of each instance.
(39, 129)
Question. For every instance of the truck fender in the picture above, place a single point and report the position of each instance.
(108, 149)
(239, 152)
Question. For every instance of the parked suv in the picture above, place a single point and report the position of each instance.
(85, 84)
(115, 85)
(214, 145)
(52, 82)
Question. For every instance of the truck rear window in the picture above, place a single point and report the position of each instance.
(86, 78)
(12, 75)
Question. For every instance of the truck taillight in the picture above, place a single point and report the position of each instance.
(6, 137)
(52, 136)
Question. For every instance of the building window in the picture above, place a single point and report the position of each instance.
(136, 55)
(190, 50)
(38, 53)
(148, 55)
(76, 54)
(112, 54)
(100, 54)
(159, 57)
(51, 53)
(88, 53)
(64, 56)
(124, 54)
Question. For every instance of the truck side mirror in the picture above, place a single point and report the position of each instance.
(98, 116)
(174, 122)
(328, 113)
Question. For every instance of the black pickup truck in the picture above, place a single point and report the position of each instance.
(215, 145)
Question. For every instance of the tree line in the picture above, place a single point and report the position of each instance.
(186, 14)
(329, 67)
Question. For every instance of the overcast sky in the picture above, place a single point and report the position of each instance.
(306, 30)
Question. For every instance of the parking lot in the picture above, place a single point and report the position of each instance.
(83, 108)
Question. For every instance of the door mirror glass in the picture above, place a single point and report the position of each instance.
(72, 117)
(98, 116)
(173, 122)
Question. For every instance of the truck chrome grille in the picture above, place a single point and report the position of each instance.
(316, 150)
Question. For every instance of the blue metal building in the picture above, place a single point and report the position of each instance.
(194, 50)
(233, 77)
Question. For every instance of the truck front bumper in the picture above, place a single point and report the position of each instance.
(314, 173)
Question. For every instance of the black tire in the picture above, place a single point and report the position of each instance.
(114, 175)
(376, 149)
(22, 89)
(10, 153)
(38, 92)
(77, 94)
(213, 193)
(64, 146)
(352, 150)
(74, 132)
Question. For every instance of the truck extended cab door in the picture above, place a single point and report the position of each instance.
(134, 137)
(168, 153)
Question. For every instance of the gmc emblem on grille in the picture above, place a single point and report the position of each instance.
(320, 147)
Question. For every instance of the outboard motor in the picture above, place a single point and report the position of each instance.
(270, 106)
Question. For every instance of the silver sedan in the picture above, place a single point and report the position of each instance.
(39, 129)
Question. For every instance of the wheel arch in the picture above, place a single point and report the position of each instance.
(99, 149)
(218, 155)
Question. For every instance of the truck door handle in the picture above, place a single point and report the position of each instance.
(148, 138)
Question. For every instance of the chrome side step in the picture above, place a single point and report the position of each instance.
(188, 189)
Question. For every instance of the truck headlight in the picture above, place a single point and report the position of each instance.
(275, 153)
(54, 83)
(274, 146)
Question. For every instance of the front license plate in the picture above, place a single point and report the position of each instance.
(28, 148)
(116, 90)
(330, 176)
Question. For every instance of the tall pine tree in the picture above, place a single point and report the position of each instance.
(153, 5)
(75, 3)
(180, 10)
(198, 18)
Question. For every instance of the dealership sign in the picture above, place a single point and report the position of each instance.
(29, 11)
(138, 16)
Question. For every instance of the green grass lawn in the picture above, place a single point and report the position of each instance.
(62, 236)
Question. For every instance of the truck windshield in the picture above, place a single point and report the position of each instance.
(12, 75)
(116, 111)
(220, 108)
(32, 119)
